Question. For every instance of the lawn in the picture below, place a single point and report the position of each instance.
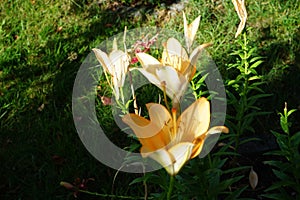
(42, 46)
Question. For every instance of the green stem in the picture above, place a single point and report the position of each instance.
(209, 160)
(171, 185)
(109, 195)
(165, 95)
(136, 110)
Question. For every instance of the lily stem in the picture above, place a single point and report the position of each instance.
(165, 94)
(171, 185)
(109, 195)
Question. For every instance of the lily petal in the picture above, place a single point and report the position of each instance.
(174, 48)
(190, 31)
(151, 137)
(120, 61)
(148, 62)
(174, 158)
(196, 53)
(181, 153)
(175, 82)
(163, 157)
(151, 77)
(199, 142)
(217, 129)
(194, 121)
(159, 115)
(240, 8)
(104, 60)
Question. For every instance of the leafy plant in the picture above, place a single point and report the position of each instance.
(244, 90)
(287, 170)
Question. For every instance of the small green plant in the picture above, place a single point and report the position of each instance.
(287, 170)
(244, 90)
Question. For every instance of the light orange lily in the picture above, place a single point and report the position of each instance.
(175, 69)
(170, 141)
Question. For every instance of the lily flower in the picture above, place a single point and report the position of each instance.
(171, 141)
(190, 31)
(175, 69)
(116, 64)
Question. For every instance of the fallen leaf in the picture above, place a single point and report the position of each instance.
(253, 178)
(41, 108)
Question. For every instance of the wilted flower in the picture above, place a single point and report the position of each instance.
(116, 64)
(240, 8)
(171, 141)
(67, 185)
(190, 31)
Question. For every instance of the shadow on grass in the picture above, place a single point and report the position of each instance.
(39, 145)
(282, 74)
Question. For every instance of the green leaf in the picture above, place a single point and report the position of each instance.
(276, 153)
(249, 140)
(140, 179)
(226, 154)
(255, 59)
(295, 140)
(278, 185)
(282, 140)
(284, 123)
(252, 78)
(253, 71)
(235, 169)
(231, 82)
(258, 96)
(277, 164)
(276, 196)
(291, 111)
(234, 195)
(253, 114)
(256, 64)
(283, 176)
(223, 185)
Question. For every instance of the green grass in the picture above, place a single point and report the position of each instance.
(42, 45)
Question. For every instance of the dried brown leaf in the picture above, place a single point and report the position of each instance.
(253, 178)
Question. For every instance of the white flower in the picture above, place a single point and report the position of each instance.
(116, 64)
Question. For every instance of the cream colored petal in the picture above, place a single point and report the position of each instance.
(181, 153)
(148, 62)
(217, 129)
(190, 31)
(240, 8)
(163, 157)
(120, 62)
(103, 59)
(175, 83)
(194, 121)
(150, 76)
(159, 115)
(115, 45)
(196, 53)
(174, 48)
(185, 26)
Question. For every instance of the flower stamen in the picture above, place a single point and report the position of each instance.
(174, 130)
